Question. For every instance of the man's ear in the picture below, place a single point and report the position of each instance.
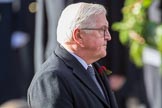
(77, 37)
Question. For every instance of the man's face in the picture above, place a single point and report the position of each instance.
(95, 38)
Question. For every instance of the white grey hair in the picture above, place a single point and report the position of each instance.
(77, 15)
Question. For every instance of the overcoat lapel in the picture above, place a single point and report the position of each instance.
(80, 72)
(110, 94)
(102, 86)
(89, 83)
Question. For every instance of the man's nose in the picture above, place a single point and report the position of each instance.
(107, 36)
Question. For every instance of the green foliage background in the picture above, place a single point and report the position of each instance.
(137, 31)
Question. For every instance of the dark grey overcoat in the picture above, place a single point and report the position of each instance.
(64, 83)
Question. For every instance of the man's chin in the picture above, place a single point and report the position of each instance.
(104, 54)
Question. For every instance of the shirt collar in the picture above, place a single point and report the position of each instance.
(84, 64)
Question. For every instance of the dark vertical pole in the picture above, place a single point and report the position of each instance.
(5, 50)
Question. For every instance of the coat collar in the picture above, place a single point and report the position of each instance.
(79, 71)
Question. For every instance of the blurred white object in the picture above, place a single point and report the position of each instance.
(151, 56)
(19, 39)
(53, 10)
(152, 77)
(154, 11)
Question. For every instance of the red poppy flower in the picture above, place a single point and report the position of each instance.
(104, 69)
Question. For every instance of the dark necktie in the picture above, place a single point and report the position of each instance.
(92, 74)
